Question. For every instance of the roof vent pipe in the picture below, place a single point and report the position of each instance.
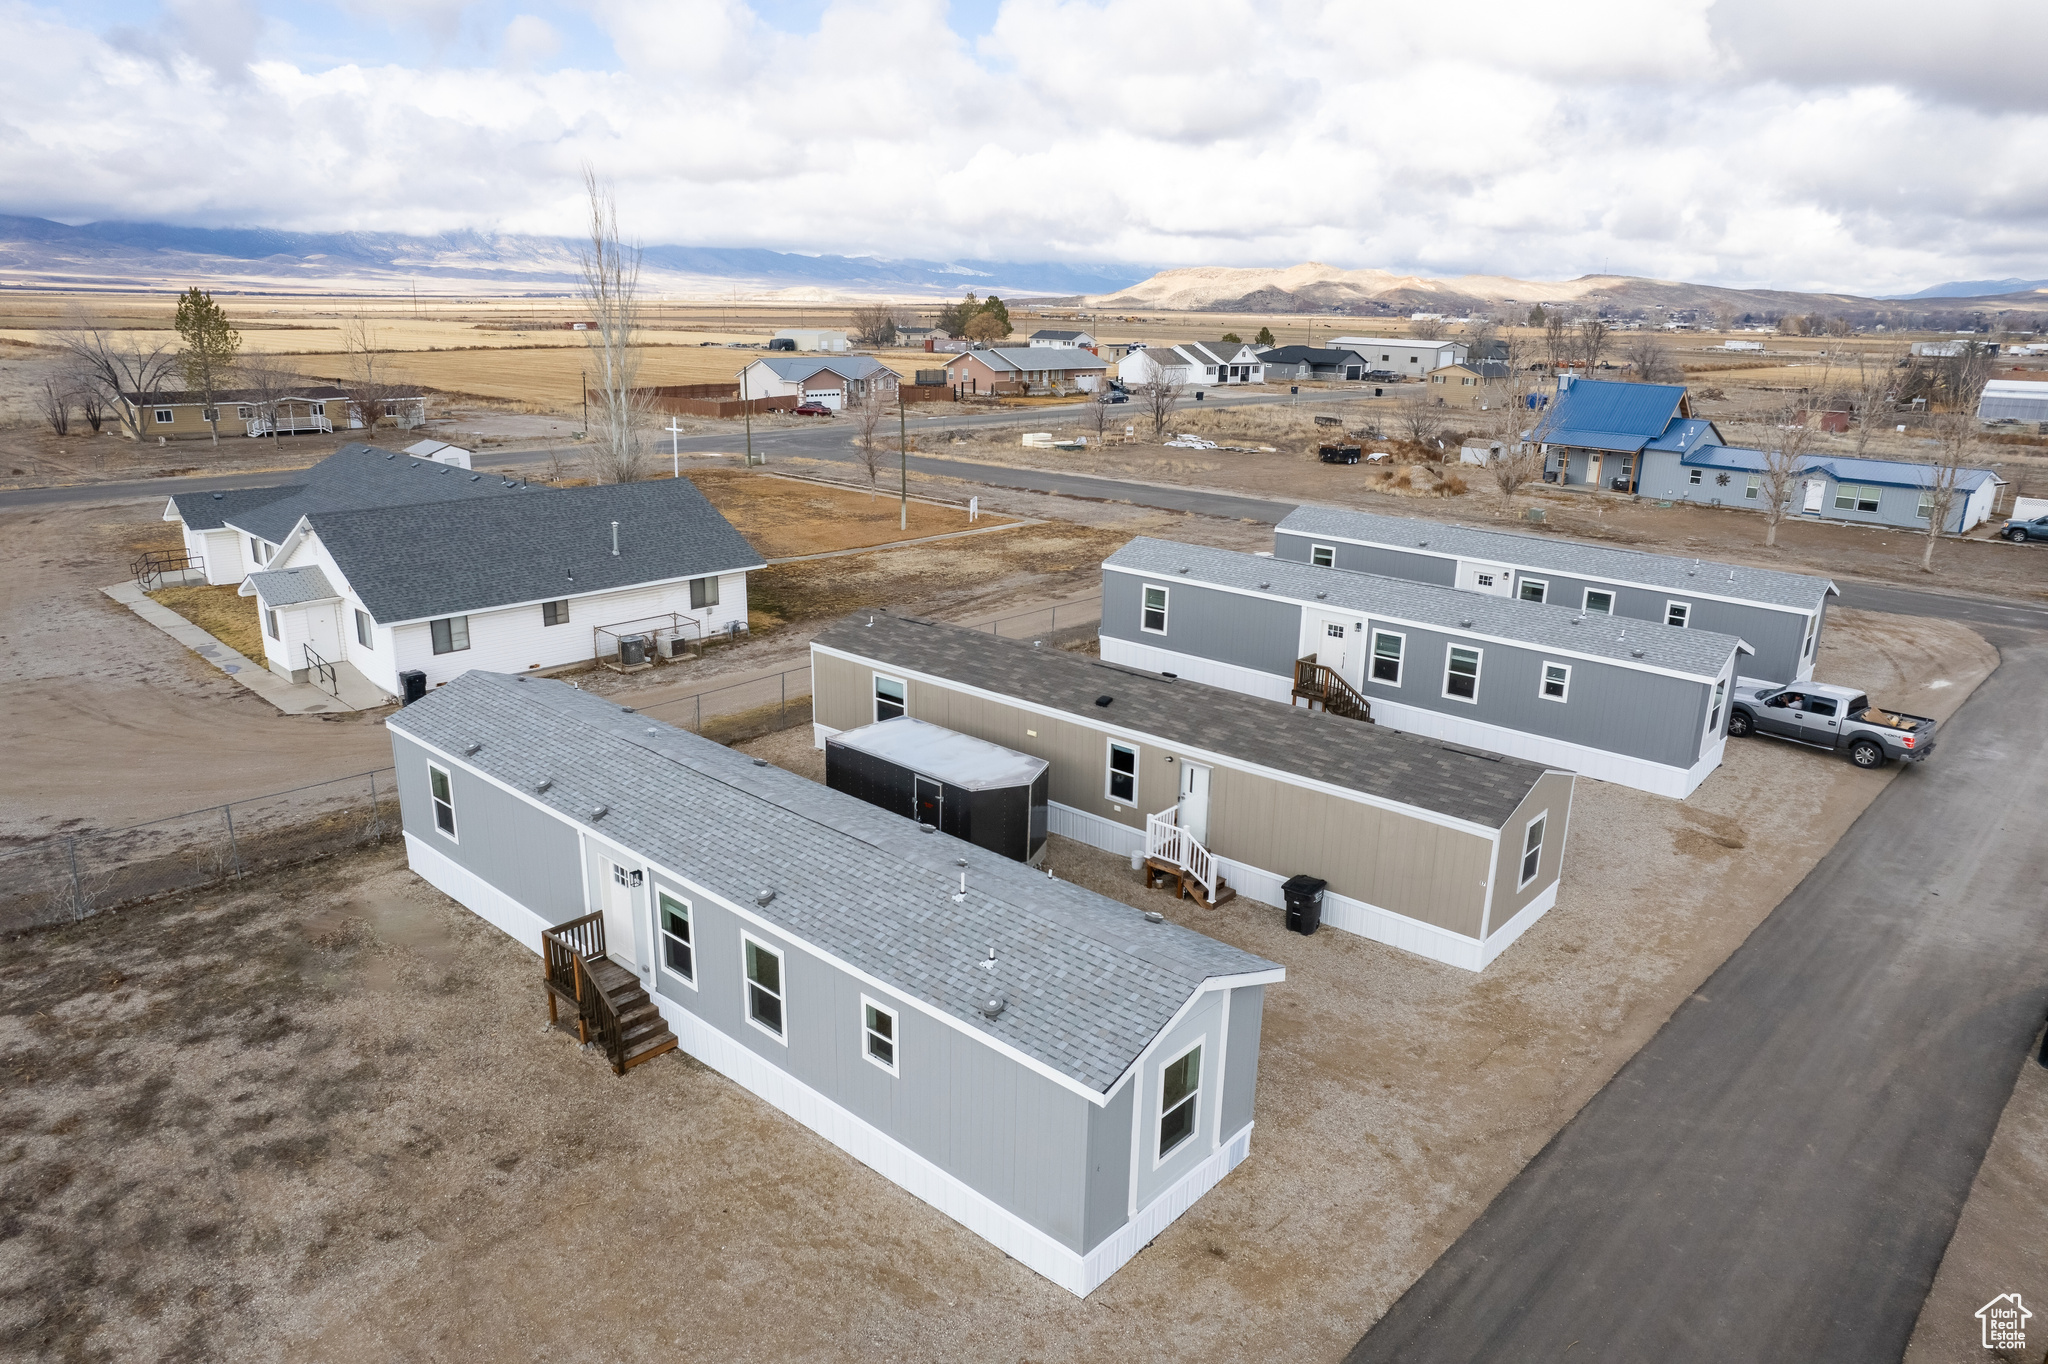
(615, 539)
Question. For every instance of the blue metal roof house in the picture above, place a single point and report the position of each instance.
(1880, 492)
(1602, 433)
(1052, 1069)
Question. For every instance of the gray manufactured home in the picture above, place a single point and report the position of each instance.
(1043, 1064)
(1435, 849)
(1779, 615)
(1636, 702)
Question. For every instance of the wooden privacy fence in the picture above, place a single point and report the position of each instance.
(701, 400)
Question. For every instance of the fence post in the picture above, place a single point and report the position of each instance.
(700, 712)
(376, 815)
(77, 891)
(233, 847)
(782, 713)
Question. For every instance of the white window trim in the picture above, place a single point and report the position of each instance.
(894, 1067)
(1160, 1157)
(366, 630)
(1542, 586)
(1478, 670)
(747, 987)
(1543, 818)
(875, 695)
(661, 934)
(271, 626)
(1586, 602)
(453, 647)
(434, 803)
(1314, 550)
(1543, 681)
(1717, 703)
(165, 416)
(1372, 655)
(1165, 607)
(1109, 772)
(1685, 624)
(1812, 633)
(1696, 476)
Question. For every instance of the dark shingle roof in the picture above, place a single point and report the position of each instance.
(352, 477)
(178, 397)
(450, 558)
(1089, 982)
(1369, 759)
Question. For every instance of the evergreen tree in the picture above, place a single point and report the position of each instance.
(210, 347)
(1536, 318)
(994, 308)
(1264, 338)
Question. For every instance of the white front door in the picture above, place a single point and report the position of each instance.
(1816, 489)
(1194, 801)
(1333, 646)
(619, 899)
(1492, 579)
(323, 631)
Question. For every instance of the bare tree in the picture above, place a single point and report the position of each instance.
(867, 419)
(1799, 430)
(875, 324)
(1955, 432)
(611, 294)
(118, 364)
(1427, 328)
(268, 385)
(1593, 337)
(1724, 318)
(1102, 416)
(1557, 333)
(1517, 462)
(369, 382)
(1649, 359)
(1160, 394)
(91, 400)
(53, 403)
(1421, 416)
(1875, 381)
(1480, 334)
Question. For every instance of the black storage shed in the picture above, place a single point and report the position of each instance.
(991, 796)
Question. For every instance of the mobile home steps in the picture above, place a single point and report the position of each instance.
(1780, 615)
(1437, 850)
(1635, 702)
(1044, 1065)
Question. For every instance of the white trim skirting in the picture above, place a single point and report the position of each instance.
(1339, 911)
(1229, 676)
(1078, 1273)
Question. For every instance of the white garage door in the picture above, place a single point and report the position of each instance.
(834, 398)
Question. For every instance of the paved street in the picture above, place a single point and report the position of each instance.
(1777, 1173)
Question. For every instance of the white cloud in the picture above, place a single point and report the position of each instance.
(1736, 142)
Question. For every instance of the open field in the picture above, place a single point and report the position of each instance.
(318, 1116)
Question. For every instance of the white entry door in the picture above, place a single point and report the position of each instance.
(1816, 489)
(323, 631)
(1492, 579)
(1194, 801)
(1333, 646)
(620, 902)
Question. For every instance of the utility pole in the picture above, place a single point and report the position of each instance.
(903, 453)
(748, 413)
(583, 382)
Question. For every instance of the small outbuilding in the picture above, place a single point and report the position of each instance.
(991, 796)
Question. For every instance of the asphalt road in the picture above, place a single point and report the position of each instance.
(1777, 1173)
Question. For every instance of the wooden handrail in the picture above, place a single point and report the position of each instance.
(567, 950)
(1315, 682)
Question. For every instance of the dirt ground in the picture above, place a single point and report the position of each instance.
(783, 517)
(319, 1117)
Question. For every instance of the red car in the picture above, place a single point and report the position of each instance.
(811, 410)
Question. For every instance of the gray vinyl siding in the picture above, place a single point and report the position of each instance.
(1001, 1128)
(1109, 1168)
(512, 846)
(1241, 1061)
(1553, 794)
(1203, 1022)
(1668, 480)
(1395, 860)
(1387, 563)
(1776, 635)
(1638, 714)
(1226, 626)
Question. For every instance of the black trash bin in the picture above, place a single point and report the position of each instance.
(414, 684)
(1304, 896)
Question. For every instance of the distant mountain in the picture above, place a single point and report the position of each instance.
(39, 253)
(1318, 288)
(1979, 288)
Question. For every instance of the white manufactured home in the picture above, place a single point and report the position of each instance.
(1780, 615)
(1636, 702)
(1441, 851)
(1056, 1072)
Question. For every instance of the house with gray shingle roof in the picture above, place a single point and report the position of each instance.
(1638, 702)
(1056, 1071)
(1778, 614)
(391, 566)
(830, 381)
(1440, 850)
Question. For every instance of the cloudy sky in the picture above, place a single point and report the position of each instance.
(1876, 146)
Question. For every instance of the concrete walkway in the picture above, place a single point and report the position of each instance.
(293, 698)
(1777, 1173)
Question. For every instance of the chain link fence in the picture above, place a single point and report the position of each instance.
(62, 880)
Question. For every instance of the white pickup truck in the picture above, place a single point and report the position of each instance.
(1825, 716)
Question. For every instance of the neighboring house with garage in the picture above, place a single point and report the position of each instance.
(1027, 369)
(1293, 364)
(1063, 340)
(838, 382)
(1410, 357)
(1046, 1066)
(1636, 702)
(1195, 363)
(1780, 615)
(179, 415)
(234, 532)
(1438, 850)
(518, 583)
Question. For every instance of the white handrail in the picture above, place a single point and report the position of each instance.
(1166, 840)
